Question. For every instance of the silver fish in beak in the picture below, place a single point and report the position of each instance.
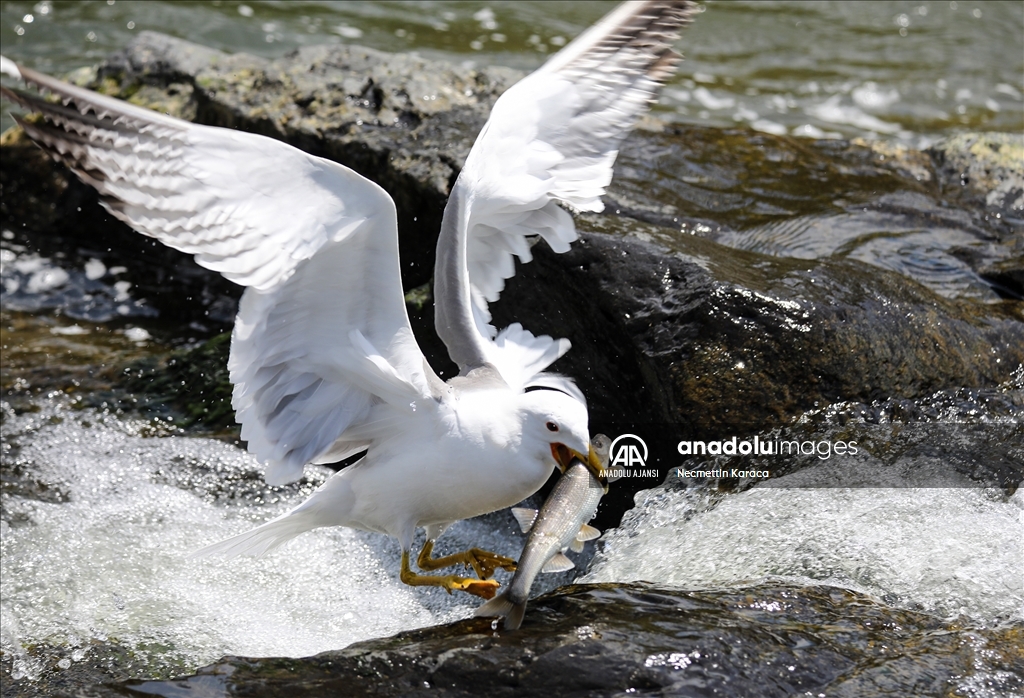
(560, 524)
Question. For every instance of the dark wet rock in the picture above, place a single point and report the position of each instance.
(606, 640)
(69, 671)
(46, 353)
(609, 640)
(750, 336)
(903, 159)
(195, 379)
(738, 178)
(880, 203)
(888, 445)
(935, 441)
(684, 338)
(986, 170)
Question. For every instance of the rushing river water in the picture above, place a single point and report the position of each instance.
(103, 509)
(906, 70)
(108, 558)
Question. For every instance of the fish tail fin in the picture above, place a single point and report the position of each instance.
(502, 605)
(260, 540)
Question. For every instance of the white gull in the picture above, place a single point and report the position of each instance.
(323, 359)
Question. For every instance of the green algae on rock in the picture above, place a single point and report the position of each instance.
(987, 166)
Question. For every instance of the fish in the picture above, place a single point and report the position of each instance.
(561, 524)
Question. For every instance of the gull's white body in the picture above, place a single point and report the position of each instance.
(419, 475)
(323, 359)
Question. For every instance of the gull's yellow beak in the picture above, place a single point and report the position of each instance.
(594, 465)
(564, 456)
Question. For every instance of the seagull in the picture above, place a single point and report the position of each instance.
(323, 359)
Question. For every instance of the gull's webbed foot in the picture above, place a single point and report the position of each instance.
(483, 562)
(484, 588)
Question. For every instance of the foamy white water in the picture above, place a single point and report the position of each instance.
(108, 558)
(111, 563)
(948, 551)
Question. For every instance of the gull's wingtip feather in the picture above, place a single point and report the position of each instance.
(620, 22)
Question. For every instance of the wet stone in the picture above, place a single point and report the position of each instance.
(879, 203)
(88, 669)
(727, 343)
(987, 167)
(609, 639)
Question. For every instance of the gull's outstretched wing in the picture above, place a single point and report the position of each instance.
(322, 333)
(552, 137)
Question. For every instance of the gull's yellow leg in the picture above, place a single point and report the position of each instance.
(484, 588)
(483, 562)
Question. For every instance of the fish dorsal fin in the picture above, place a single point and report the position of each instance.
(576, 546)
(525, 517)
(559, 563)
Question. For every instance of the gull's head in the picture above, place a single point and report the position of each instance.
(556, 424)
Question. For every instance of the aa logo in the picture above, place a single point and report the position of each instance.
(628, 451)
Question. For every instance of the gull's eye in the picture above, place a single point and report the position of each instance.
(551, 426)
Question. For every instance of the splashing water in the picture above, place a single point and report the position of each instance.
(100, 552)
(101, 514)
(948, 551)
(29, 283)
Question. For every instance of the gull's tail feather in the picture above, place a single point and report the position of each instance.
(502, 605)
(262, 539)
